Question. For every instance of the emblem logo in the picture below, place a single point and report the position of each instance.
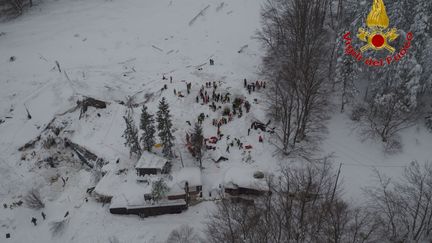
(377, 35)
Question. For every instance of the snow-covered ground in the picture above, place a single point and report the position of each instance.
(113, 49)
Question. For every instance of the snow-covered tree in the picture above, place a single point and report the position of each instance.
(392, 104)
(197, 140)
(164, 127)
(347, 75)
(396, 95)
(416, 16)
(131, 135)
(147, 126)
(159, 189)
(422, 31)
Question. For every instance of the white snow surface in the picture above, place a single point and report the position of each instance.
(151, 161)
(191, 175)
(243, 177)
(113, 49)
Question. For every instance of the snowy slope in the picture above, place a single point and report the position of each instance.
(113, 49)
(108, 50)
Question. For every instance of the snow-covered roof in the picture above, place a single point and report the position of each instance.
(122, 187)
(243, 177)
(107, 185)
(192, 175)
(161, 203)
(150, 161)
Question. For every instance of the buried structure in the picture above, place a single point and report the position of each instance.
(183, 188)
(152, 164)
(242, 185)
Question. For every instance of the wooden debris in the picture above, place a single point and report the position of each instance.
(58, 66)
(220, 6)
(201, 13)
(90, 102)
(157, 48)
(90, 190)
(30, 144)
(28, 113)
(82, 158)
(242, 48)
(81, 150)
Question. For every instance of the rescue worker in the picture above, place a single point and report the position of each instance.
(34, 221)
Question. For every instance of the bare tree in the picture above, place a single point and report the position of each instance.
(304, 206)
(404, 207)
(34, 200)
(295, 37)
(184, 234)
(232, 222)
(385, 114)
(347, 224)
(58, 227)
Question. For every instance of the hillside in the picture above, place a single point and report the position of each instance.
(111, 50)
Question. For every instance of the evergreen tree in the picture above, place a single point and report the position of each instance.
(410, 79)
(422, 30)
(197, 140)
(159, 189)
(147, 125)
(164, 127)
(131, 135)
(347, 75)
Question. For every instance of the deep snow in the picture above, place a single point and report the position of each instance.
(114, 49)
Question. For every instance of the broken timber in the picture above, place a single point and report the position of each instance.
(81, 150)
(88, 101)
(201, 13)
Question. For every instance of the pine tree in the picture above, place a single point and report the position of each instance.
(422, 30)
(164, 127)
(131, 135)
(147, 125)
(197, 140)
(159, 189)
(347, 74)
